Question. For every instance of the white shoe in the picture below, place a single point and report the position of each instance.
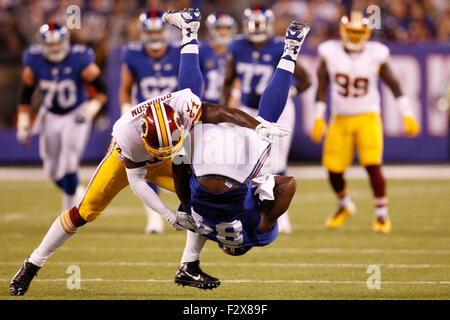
(284, 225)
(186, 19)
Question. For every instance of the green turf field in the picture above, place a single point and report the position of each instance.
(118, 261)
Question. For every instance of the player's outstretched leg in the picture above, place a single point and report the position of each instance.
(189, 74)
(22, 279)
(189, 272)
(276, 93)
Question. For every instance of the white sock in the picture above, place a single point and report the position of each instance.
(193, 248)
(286, 65)
(60, 231)
(155, 221)
(381, 211)
(344, 201)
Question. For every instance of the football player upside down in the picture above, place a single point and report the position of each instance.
(145, 139)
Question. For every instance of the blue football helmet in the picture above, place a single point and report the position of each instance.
(221, 20)
(154, 33)
(55, 41)
(233, 251)
(258, 23)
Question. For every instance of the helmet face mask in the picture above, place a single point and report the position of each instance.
(221, 28)
(55, 42)
(355, 32)
(154, 32)
(162, 131)
(258, 24)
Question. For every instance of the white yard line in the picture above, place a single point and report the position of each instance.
(263, 249)
(249, 281)
(438, 171)
(243, 264)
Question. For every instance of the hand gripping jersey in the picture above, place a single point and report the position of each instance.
(61, 84)
(154, 77)
(254, 67)
(127, 130)
(212, 66)
(231, 217)
(353, 76)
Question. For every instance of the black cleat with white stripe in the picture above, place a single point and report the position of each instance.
(190, 274)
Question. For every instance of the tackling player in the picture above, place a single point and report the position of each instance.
(61, 71)
(150, 64)
(351, 68)
(253, 59)
(221, 30)
(145, 139)
(223, 190)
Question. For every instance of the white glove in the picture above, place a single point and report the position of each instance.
(267, 130)
(23, 128)
(180, 220)
(124, 108)
(89, 111)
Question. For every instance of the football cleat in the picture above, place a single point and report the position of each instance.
(186, 19)
(295, 36)
(382, 224)
(21, 281)
(190, 274)
(342, 214)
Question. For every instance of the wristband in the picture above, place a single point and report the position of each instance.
(319, 110)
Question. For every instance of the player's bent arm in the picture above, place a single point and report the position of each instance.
(126, 85)
(303, 77)
(229, 77)
(284, 191)
(322, 75)
(410, 125)
(321, 103)
(215, 113)
(91, 75)
(181, 174)
(390, 80)
(136, 173)
(24, 108)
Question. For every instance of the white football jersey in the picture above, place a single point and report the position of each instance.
(227, 150)
(127, 130)
(353, 76)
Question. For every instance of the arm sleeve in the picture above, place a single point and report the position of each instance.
(28, 60)
(139, 186)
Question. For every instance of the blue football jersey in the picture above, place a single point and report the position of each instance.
(212, 66)
(255, 67)
(61, 84)
(231, 217)
(153, 77)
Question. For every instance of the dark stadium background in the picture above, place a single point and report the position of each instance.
(417, 32)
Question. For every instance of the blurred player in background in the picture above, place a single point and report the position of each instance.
(351, 67)
(221, 30)
(151, 66)
(61, 71)
(253, 59)
(223, 189)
